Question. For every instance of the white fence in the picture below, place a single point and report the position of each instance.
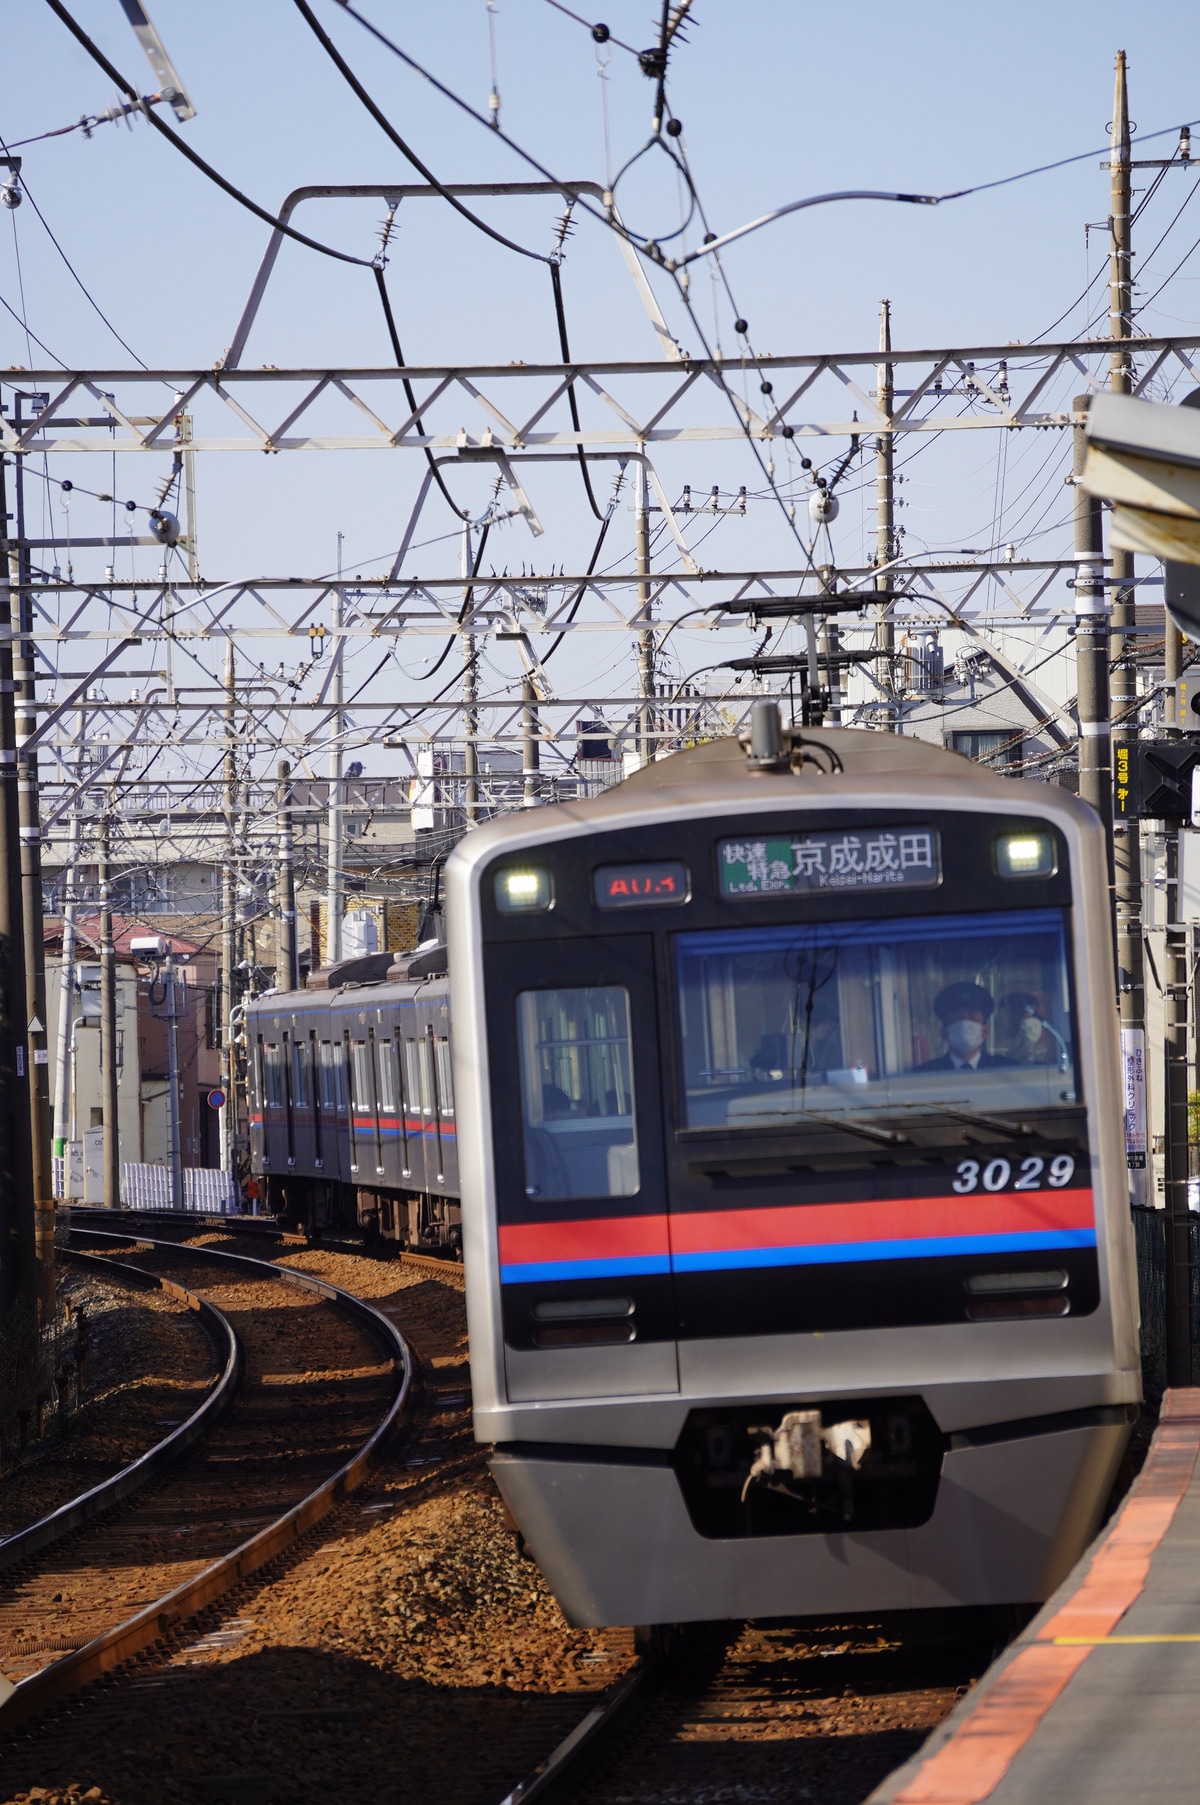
(146, 1187)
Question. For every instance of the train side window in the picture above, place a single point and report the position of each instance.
(577, 1092)
(361, 1077)
(387, 1076)
(418, 1079)
(328, 1070)
(445, 1084)
(274, 1077)
(300, 1085)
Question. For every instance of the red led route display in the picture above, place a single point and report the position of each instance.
(633, 886)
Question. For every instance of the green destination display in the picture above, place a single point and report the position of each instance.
(906, 858)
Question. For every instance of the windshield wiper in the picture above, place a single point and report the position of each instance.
(855, 1125)
(977, 1119)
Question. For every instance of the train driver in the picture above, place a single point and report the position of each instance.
(964, 1010)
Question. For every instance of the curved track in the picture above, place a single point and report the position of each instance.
(114, 1589)
(100, 1499)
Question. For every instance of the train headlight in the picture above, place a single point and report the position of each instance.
(523, 890)
(1028, 854)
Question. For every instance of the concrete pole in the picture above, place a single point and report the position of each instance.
(530, 747)
(470, 692)
(287, 975)
(830, 646)
(37, 1049)
(885, 514)
(1091, 641)
(109, 1093)
(333, 887)
(1127, 836)
(18, 1222)
(63, 1076)
(645, 645)
(173, 1111)
(227, 1117)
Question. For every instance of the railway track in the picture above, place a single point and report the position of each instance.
(324, 1379)
(745, 1714)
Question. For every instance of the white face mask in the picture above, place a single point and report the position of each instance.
(965, 1037)
(1031, 1029)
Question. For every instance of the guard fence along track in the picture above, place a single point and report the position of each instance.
(309, 1417)
(770, 1715)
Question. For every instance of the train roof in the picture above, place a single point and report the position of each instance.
(719, 774)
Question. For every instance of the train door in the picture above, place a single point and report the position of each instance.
(444, 1092)
(585, 1277)
(318, 1101)
(420, 1157)
(329, 1103)
(393, 1161)
(372, 1076)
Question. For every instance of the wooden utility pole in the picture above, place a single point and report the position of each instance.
(885, 514)
(109, 1091)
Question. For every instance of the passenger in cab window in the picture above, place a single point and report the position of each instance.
(1024, 1028)
(964, 1011)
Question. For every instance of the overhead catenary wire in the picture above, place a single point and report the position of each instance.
(185, 150)
(385, 125)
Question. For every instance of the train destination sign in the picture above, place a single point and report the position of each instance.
(905, 858)
(632, 886)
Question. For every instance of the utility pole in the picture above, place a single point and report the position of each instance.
(645, 645)
(18, 1222)
(1091, 639)
(173, 1131)
(228, 1117)
(831, 646)
(287, 975)
(470, 691)
(63, 1074)
(1177, 1273)
(37, 1046)
(530, 748)
(885, 513)
(1127, 837)
(109, 1093)
(333, 887)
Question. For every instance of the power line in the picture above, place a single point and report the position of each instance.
(386, 126)
(185, 150)
(600, 33)
(80, 283)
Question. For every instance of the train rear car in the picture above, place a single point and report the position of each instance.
(799, 1262)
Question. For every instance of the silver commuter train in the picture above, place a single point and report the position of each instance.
(352, 1117)
(800, 1270)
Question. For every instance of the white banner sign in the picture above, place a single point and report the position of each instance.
(1133, 1054)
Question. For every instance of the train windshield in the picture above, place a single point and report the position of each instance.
(577, 1092)
(837, 1019)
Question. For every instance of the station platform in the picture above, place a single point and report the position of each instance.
(1099, 1699)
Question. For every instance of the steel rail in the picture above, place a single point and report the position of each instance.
(154, 1621)
(94, 1503)
(598, 1718)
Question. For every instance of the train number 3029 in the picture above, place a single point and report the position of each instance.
(1030, 1174)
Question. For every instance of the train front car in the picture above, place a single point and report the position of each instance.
(799, 1265)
